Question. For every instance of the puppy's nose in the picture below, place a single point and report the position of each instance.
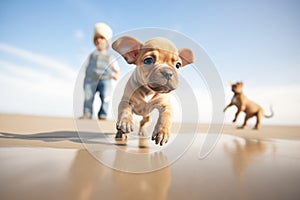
(167, 74)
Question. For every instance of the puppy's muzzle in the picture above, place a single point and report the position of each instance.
(163, 80)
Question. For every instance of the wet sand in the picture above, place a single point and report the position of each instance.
(59, 158)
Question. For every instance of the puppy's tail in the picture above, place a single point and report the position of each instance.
(271, 115)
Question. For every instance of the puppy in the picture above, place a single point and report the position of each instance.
(156, 74)
(243, 104)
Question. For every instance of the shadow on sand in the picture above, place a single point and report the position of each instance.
(56, 136)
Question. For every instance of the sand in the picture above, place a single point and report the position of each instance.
(61, 158)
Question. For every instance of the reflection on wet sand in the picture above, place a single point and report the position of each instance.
(84, 177)
(243, 152)
(87, 176)
(269, 169)
(153, 185)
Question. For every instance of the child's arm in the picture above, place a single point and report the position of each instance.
(116, 70)
(116, 74)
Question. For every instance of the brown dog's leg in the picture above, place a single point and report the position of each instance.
(143, 125)
(236, 115)
(258, 120)
(229, 105)
(245, 121)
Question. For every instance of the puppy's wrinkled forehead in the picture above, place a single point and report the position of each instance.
(160, 43)
(164, 48)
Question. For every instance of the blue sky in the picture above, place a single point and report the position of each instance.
(43, 42)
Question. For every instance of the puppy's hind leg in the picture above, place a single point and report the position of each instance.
(144, 122)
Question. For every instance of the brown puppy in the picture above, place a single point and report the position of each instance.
(158, 62)
(243, 104)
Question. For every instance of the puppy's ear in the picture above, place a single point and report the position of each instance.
(128, 47)
(186, 56)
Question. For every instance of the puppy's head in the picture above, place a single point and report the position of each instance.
(158, 61)
(237, 87)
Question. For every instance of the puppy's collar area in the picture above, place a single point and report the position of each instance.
(147, 98)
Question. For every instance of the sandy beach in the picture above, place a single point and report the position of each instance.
(62, 158)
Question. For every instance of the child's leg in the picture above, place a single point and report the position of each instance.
(89, 93)
(104, 88)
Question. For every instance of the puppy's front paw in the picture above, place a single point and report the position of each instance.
(120, 135)
(125, 125)
(161, 137)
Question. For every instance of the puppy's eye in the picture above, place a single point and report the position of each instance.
(178, 65)
(149, 61)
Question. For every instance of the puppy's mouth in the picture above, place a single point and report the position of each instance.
(166, 88)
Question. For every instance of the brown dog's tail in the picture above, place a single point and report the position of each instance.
(271, 115)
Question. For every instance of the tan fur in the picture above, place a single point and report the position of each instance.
(149, 86)
(244, 104)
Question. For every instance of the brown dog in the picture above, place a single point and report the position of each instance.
(243, 104)
(158, 62)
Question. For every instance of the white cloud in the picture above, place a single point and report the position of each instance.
(79, 34)
(44, 62)
(44, 88)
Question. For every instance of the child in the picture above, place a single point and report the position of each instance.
(101, 68)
